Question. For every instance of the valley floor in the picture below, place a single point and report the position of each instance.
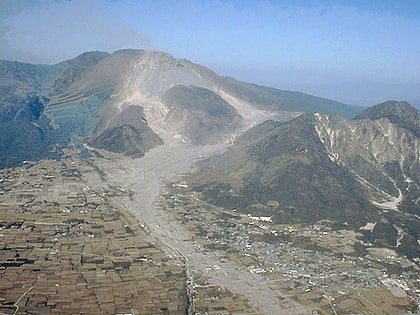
(143, 179)
(282, 278)
(69, 245)
(67, 222)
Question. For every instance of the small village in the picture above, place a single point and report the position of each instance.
(330, 271)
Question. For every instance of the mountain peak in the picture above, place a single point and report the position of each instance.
(386, 109)
(90, 55)
(177, 98)
(150, 54)
(398, 112)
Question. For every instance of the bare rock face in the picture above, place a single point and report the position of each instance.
(383, 152)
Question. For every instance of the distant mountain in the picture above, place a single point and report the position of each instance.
(400, 113)
(83, 100)
(76, 69)
(25, 131)
(275, 99)
(322, 167)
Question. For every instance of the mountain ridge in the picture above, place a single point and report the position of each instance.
(321, 167)
(401, 113)
(84, 96)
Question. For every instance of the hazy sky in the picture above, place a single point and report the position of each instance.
(360, 52)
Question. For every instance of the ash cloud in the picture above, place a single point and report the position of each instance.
(49, 31)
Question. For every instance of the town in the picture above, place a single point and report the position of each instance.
(329, 271)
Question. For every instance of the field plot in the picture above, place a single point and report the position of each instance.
(67, 247)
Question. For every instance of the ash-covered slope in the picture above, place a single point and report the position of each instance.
(200, 115)
(319, 167)
(84, 97)
(129, 134)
